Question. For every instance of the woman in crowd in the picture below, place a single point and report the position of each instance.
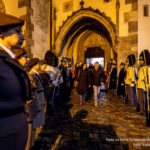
(13, 120)
(121, 82)
(97, 79)
(38, 90)
(83, 81)
(46, 81)
(55, 78)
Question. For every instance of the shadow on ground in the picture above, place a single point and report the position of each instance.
(64, 132)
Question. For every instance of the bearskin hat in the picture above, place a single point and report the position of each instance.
(51, 59)
(33, 62)
(145, 56)
(131, 59)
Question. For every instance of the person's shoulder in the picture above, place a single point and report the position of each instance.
(49, 68)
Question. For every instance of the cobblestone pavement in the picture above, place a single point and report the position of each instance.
(112, 125)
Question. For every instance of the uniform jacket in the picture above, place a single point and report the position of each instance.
(130, 76)
(12, 74)
(14, 91)
(143, 77)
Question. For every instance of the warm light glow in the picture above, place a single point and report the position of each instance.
(100, 60)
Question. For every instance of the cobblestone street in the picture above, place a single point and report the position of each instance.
(111, 126)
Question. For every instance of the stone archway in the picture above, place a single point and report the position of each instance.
(81, 15)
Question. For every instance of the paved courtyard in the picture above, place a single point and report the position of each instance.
(113, 125)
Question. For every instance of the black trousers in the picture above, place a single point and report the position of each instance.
(16, 140)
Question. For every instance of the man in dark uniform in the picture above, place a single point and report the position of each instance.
(14, 86)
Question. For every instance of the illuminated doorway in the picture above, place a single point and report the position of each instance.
(100, 60)
(95, 54)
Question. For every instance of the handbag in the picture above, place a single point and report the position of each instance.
(75, 84)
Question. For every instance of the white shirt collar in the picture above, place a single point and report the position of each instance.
(8, 51)
(35, 71)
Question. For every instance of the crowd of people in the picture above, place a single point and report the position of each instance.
(31, 89)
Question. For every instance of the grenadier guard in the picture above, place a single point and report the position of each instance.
(143, 82)
(14, 86)
(130, 80)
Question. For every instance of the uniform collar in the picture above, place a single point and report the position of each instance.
(34, 71)
(8, 51)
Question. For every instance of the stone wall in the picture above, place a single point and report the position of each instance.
(39, 26)
(128, 30)
(144, 26)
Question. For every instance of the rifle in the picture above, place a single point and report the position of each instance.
(148, 110)
(137, 106)
(58, 75)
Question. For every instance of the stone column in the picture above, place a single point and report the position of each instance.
(117, 29)
(51, 18)
(54, 30)
(29, 28)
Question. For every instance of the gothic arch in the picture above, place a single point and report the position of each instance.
(80, 15)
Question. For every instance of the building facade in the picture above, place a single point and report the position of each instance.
(71, 27)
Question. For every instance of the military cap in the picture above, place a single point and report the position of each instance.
(145, 56)
(131, 59)
(19, 52)
(33, 62)
(50, 58)
(9, 20)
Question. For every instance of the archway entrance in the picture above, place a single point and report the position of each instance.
(86, 28)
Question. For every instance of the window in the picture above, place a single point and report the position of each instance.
(146, 10)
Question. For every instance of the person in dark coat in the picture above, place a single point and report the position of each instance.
(63, 92)
(113, 78)
(90, 89)
(121, 82)
(96, 80)
(83, 82)
(14, 86)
